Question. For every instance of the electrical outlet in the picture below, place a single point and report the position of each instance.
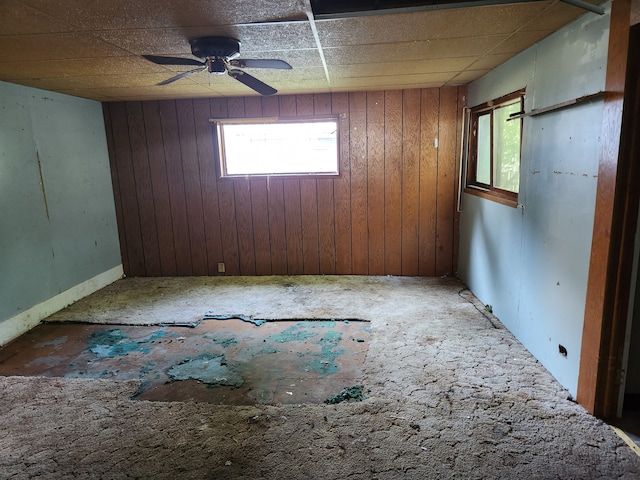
(221, 268)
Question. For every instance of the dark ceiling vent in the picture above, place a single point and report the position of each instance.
(323, 9)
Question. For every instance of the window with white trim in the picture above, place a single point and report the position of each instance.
(278, 147)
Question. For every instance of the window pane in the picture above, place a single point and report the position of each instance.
(506, 148)
(280, 148)
(483, 169)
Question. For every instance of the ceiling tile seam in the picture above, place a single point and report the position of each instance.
(75, 28)
(314, 30)
(552, 4)
(414, 42)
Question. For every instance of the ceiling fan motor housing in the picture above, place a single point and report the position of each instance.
(220, 47)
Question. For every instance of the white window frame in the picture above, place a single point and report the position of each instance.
(302, 156)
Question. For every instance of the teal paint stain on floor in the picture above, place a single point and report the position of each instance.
(114, 343)
(297, 333)
(208, 368)
(222, 341)
(324, 362)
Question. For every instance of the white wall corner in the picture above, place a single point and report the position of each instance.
(13, 327)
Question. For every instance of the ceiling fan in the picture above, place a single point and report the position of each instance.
(219, 55)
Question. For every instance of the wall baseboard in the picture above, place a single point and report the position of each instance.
(13, 327)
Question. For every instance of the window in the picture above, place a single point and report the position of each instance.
(493, 161)
(266, 146)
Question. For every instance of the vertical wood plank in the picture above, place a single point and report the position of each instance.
(392, 210)
(242, 196)
(309, 204)
(127, 186)
(605, 301)
(342, 188)
(410, 180)
(175, 177)
(209, 183)
(446, 197)
(375, 181)
(106, 111)
(326, 209)
(259, 203)
(292, 205)
(429, 111)
(462, 102)
(393, 182)
(144, 191)
(358, 156)
(275, 203)
(192, 186)
(160, 185)
(226, 204)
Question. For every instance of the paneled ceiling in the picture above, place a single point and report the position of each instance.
(94, 48)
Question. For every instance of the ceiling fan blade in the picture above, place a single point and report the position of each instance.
(257, 63)
(160, 60)
(178, 77)
(252, 82)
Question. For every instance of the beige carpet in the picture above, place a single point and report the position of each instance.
(450, 397)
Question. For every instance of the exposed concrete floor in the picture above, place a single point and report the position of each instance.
(227, 362)
(451, 397)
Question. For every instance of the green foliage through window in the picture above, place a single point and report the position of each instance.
(493, 160)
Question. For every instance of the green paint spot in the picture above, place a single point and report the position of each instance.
(325, 361)
(267, 349)
(223, 341)
(297, 333)
(326, 324)
(207, 368)
(346, 394)
(115, 343)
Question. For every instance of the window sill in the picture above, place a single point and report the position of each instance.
(488, 195)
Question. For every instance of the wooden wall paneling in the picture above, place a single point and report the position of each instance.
(393, 144)
(260, 214)
(175, 176)
(244, 219)
(292, 204)
(429, 108)
(462, 103)
(275, 203)
(226, 203)
(342, 188)
(209, 183)
(106, 111)
(259, 203)
(242, 196)
(446, 196)
(127, 186)
(309, 204)
(605, 309)
(392, 209)
(160, 188)
(410, 180)
(359, 177)
(193, 186)
(375, 180)
(144, 190)
(326, 208)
